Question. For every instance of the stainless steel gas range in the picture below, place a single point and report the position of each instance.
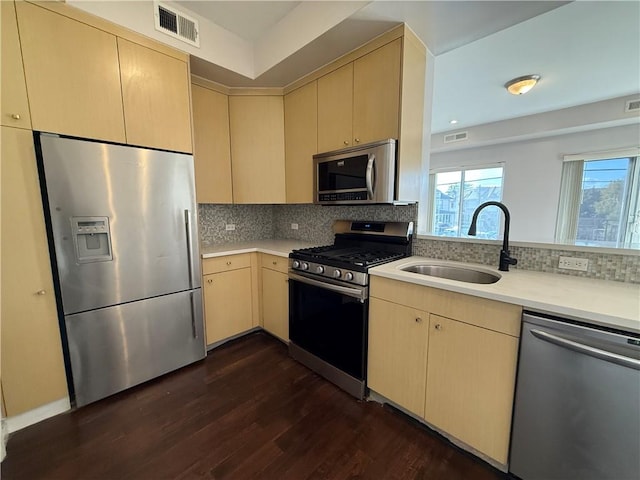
(329, 298)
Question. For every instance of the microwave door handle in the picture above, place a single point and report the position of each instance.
(370, 175)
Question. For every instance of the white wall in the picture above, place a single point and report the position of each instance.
(532, 173)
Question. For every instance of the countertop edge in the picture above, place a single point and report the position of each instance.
(541, 306)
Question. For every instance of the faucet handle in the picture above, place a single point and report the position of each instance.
(505, 260)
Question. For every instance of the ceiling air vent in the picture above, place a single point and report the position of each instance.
(632, 105)
(175, 23)
(456, 137)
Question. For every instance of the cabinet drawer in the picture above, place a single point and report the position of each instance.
(274, 262)
(226, 263)
(490, 314)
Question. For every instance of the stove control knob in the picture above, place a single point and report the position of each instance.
(305, 266)
(348, 276)
(296, 264)
(320, 269)
(337, 273)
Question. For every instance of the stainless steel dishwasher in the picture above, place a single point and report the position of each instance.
(577, 405)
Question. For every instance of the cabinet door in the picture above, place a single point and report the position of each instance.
(257, 148)
(227, 304)
(376, 94)
(212, 149)
(335, 109)
(14, 103)
(301, 141)
(32, 363)
(275, 303)
(398, 339)
(155, 92)
(470, 384)
(72, 74)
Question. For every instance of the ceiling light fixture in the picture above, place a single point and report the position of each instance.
(453, 122)
(521, 85)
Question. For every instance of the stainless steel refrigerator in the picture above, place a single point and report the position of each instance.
(124, 245)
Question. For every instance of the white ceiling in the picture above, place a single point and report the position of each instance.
(585, 51)
(249, 20)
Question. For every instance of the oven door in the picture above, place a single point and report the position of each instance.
(329, 320)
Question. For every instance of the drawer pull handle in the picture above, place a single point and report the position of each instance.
(228, 263)
(438, 326)
(274, 262)
(15, 116)
(418, 320)
(41, 292)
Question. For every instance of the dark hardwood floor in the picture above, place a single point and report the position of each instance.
(247, 411)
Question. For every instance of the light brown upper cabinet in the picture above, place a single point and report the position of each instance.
(335, 109)
(155, 92)
(376, 94)
(72, 75)
(257, 148)
(32, 364)
(300, 141)
(360, 102)
(212, 146)
(14, 103)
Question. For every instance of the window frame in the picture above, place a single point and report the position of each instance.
(571, 193)
(431, 211)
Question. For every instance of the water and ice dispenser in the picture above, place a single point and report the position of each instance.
(92, 239)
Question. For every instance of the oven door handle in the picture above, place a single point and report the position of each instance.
(371, 165)
(359, 293)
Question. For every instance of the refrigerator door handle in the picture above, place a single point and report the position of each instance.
(588, 350)
(187, 224)
(193, 316)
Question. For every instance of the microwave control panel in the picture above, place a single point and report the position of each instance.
(342, 196)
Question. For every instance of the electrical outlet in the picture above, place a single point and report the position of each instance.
(230, 226)
(573, 263)
(294, 226)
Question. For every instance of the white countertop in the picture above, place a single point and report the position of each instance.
(607, 303)
(281, 248)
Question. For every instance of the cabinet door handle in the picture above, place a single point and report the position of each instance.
(346, 142)
(228, 263)
(41, 292)
(15, 116)
(418, 320)
(357, 140)
(274, 262)
(209, 281)
(438, 326)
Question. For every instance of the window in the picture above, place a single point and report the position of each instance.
(456, 194)
(599, 203)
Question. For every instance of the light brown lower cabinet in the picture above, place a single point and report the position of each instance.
(275, 296)
(457, 373)
(470, 384)
(227, 303)
(398, 339)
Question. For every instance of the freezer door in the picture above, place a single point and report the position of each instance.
(114, 348)
(123, 221)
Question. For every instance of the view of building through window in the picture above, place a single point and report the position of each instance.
(608, 214)
(458, 193)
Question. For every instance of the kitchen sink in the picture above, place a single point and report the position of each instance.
(461, 274)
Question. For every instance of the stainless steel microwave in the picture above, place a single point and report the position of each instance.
(356, 175)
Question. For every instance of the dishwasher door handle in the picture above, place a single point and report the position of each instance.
(588, 350)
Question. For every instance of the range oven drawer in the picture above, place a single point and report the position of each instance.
(330, 325)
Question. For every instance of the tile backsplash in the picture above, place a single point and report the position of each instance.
(259, 222)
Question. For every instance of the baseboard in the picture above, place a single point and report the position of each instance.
(18, 422)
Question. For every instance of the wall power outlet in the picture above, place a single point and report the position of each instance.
(294, 226)
(230, 226)
(573, 263)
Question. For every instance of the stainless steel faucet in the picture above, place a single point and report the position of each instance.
(505, 258)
